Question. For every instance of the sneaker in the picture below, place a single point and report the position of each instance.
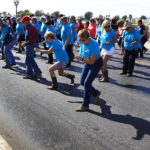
(27, 77)
(122, 73)
(53, 87)
(81, 109)
(129, 75)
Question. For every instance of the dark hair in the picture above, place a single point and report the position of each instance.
(35, 19)
(120, 22)
(61, 15)
(48, 22)
(87, 22)
(65, 19)
(140, 21)
(92, 19)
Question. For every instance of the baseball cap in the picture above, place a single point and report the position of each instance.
(25, 18)
(14, 18)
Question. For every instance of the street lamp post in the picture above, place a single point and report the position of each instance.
(16, 2)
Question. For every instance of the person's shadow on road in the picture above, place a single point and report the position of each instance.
(142, 126)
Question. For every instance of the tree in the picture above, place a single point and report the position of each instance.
(124, 18)
(56, 13)
(130, 17)
(117, 17)
(143, 17)
(24, 13)
(39, 13)
(88, 15)
(5, 14)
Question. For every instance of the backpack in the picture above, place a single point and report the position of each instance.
(10, 36)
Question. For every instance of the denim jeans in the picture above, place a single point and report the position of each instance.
(8, 54)
(30, 62)
(88, 75)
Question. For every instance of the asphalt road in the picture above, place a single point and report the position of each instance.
(35, 118)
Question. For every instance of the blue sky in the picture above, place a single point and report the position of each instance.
(79, 7)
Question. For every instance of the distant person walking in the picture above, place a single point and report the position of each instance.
(51, 28)
(99, 28)
(141, 28)
(73, 27)
(58, 27)
(92, 28)
(120, 24)
(20, 30)
(9, 39)
(67, 38)
(80, 26)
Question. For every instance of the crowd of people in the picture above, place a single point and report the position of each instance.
(59, 35)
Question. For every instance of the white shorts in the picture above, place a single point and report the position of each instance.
(106, 52)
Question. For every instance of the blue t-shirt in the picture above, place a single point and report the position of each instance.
(60, 52)
(99, 32)
(58, 25)
(43, 29)
(73, 25)
(131, 37)
(65, 31)
(19, 27)
(37, 26)
(107, 37)
(92, 49)
(4, 31)
(52, 29)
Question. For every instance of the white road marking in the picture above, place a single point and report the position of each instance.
(143, 63)
(3, 144)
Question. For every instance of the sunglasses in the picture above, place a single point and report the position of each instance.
(107, 26)
(81, 40)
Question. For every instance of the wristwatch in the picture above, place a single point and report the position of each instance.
(82, 59)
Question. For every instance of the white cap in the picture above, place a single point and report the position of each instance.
(43, 17)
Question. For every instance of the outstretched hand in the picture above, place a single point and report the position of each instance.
(78, 58)
(36, 49)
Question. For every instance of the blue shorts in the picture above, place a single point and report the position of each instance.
(61, 64)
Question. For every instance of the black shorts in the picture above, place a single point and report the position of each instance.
(21, 38)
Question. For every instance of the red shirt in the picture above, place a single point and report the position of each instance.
(92, 30)
(80, 26)
(120, 31)
(32, 35)
(86, 26)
